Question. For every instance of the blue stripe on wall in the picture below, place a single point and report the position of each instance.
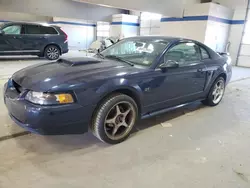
(125, 23)
(187, 18)
(237, 22)
(221, 20)
(4, 21)
(203, 18)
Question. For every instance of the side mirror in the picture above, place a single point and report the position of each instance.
(1, 32)
(169, 64)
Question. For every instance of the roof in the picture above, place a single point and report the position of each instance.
(30, 23)
(166, 38)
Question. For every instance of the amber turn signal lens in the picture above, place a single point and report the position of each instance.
(64, 98)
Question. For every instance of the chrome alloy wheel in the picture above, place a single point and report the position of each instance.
(119, 120)
(53, 53)
(218, 91)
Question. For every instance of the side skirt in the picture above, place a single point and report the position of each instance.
(151, 114)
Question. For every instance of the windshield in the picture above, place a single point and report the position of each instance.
(136, 51)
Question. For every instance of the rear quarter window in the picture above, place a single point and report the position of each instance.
(48, 30)
(204, 54)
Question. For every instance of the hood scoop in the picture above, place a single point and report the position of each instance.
(78, 61)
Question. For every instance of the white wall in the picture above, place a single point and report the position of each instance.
(13, 16)
(80, 33)
(236, 30)
(150, 24)
(234, 4)
(124, 26)
(208, 23)
(217, 35)
(185, 29)
(217, 32)
(244, 49)
(188, 29)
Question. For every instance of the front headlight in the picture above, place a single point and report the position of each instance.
(49, 98)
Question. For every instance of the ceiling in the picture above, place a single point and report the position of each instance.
(172, 8)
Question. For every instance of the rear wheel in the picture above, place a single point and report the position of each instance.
(216, 92)
(52, 52)
(115, 119)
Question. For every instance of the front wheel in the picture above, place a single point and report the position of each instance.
(52, 52)
(115, 119)
(216, 92)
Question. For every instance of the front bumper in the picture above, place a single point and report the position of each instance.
(48, 120)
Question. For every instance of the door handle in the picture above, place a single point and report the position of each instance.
(15, 37)
(200, 70)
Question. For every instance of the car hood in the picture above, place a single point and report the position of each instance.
(69, 73)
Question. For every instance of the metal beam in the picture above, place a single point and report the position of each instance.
(172, 8)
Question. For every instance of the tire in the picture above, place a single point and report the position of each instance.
(52, 52)
(106, 119)
(211, 99)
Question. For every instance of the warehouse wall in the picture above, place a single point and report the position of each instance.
(208, 23)
(244, 49)
(150, 24)
(60, 8)
(7, 16)
(181, 27)
(236, 30)
(124, 26)
(73, 17)
(80, 33)
(217, 31)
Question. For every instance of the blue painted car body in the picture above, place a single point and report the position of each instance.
(90, 80)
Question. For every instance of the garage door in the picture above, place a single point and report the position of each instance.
(244, 55)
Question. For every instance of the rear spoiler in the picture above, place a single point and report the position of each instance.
(223, 53)
(226, 55)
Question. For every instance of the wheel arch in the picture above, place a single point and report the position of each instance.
(122, 90)
(131, 92)
(223, 75)
(53, 44)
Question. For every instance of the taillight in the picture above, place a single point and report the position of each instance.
(66, 36)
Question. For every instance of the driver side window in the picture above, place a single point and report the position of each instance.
(184, 54)
(12, 30)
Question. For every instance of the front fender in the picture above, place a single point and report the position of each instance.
(119, 84)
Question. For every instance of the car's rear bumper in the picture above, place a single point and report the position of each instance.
(65, 48)
(65, 119)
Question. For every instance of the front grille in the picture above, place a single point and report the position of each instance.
(17, 87)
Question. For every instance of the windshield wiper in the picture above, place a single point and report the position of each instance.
(100, 55)
(119, 59)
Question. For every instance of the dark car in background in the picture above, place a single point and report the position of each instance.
(43, 40)
(133, 79)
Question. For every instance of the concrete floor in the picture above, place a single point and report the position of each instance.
(196, 147)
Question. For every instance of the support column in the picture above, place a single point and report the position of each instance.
(124, 26)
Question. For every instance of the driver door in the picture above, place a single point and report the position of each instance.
(179, 84)
(11, 39)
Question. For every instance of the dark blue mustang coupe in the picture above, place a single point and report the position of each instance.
(136, 78)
